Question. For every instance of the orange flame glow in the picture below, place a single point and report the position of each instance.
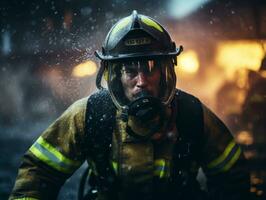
(87, 68)
(235, 55)
(188, 62)
(245, 137)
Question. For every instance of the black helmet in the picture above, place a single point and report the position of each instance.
(137, 36)
(133, 40)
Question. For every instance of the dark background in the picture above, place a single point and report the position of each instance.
(42, 41)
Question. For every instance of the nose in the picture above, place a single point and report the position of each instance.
(141, 80)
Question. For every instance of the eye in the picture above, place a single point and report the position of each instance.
(129, 70)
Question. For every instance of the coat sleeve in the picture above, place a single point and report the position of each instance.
(223, 161)
(53, 158)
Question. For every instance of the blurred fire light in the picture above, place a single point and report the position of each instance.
(244, 137)
(235, 55)
(256, 180)
(256, 183)
(263, 74)
(259, 192)
(87, 68)
(250, 154)
(188, 62)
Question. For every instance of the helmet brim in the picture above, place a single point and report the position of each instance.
(102, 57)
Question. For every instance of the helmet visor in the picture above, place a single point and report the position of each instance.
(127, 78)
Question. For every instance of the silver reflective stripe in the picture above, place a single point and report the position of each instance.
(52, 157)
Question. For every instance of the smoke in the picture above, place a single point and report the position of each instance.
(23, 97)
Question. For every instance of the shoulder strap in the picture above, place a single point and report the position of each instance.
(100, 120)
(189, 116)
(189, 122)
(99, 124)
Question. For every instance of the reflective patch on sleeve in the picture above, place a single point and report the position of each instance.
(52, 157)
(225, 161)
(151, 23)
(26, 198)
(161, 168)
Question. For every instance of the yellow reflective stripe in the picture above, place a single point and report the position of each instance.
(151, 23)
(52, 157)
(115, 166)
(222, 157)
(161, 168)
(48, 161)
(59, 155)
(226, 160)
(26, 198)
(121, 24)
(233, 160)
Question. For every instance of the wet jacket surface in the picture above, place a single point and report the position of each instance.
(62, 148)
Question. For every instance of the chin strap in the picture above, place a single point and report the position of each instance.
(99, 76)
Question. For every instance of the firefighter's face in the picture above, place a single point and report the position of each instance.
(138, 76)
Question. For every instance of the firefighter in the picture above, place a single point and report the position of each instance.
(141, 137)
